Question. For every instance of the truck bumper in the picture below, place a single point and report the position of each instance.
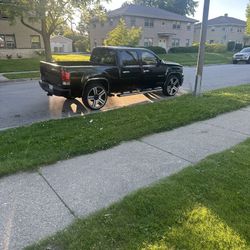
(55, 90)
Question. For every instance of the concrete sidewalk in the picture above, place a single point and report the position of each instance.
(35, 205)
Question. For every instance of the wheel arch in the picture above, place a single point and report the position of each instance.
(100, 80)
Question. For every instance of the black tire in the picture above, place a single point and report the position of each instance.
(95, 96)
(171, 86)
(248, 61)
(235, 62)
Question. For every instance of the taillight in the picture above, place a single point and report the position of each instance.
(65, 77)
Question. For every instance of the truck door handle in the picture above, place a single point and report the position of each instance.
(146, 71)
(126, 72)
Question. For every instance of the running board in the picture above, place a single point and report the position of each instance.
(129, 93)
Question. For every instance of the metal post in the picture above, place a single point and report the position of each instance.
(201, 54)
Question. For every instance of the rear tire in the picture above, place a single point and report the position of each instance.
(95, 96)
(171, 86)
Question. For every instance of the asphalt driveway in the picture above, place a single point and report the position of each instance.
(24, 102)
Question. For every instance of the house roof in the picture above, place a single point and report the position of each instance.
(225, 20)
(151, 12)
(62, 38)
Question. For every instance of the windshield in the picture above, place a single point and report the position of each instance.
(246, 50)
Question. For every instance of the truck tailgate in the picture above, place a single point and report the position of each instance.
(51, 73)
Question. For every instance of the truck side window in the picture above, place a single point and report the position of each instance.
(148, 58)
(129, 58)
(103, 57)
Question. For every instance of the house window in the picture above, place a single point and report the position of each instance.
(7, 41)
(148, 22)
(213, 29)
(187, 42)
(189, 26)
(177, 25)
(232, 29)
(148, 42)
(163, 23)
(224, 29)
(133, 21)
(175, 42)
(2, 42)
(10, 42)
(211, 41)
(35, 42)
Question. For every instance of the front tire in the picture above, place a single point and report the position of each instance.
(95, 96)
(235, 62)
(171, 86)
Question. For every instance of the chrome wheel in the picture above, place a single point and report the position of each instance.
(172, 86)
(96, 97)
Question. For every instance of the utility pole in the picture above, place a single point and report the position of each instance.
(201, 55)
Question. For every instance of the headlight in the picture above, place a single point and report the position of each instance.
(246, 57)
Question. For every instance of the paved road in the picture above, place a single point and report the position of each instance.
(24, 102)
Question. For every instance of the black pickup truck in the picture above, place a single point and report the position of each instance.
(111, 70)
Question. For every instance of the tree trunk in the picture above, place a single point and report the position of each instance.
(47, 47)
(46, 40)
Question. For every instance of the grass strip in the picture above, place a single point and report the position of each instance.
(19, 65)
(23, 75)
(205, 206)
(43, 143)
(190, 59)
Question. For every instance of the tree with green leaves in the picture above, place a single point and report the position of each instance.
(43, 16)
(121, 35)
(182, 7)
(248, 19)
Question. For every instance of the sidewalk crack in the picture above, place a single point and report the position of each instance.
(59, 197)
(168, 152)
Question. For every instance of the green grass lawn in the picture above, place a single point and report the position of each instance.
(190, 59)
(206, 206)
(44, 143)
(187, 59)
(19, 65)
(31, 75)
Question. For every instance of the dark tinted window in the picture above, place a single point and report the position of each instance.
(148, 58)
(129, 58)
(103, 57)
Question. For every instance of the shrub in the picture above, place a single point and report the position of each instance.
(238, 46)
(191, 49)
(231, 46)
(157, 49)
(214, 48)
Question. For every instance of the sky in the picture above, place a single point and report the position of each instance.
(234, 8)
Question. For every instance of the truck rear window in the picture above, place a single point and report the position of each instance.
(103, 57)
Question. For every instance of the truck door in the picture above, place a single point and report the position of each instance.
(130, 70)
(153, 71)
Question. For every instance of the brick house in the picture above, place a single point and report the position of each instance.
(222, 29)
(159, 27)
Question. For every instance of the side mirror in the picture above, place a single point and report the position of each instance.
(159, 62)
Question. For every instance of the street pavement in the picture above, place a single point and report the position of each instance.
(38, 204)
(25, 102)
